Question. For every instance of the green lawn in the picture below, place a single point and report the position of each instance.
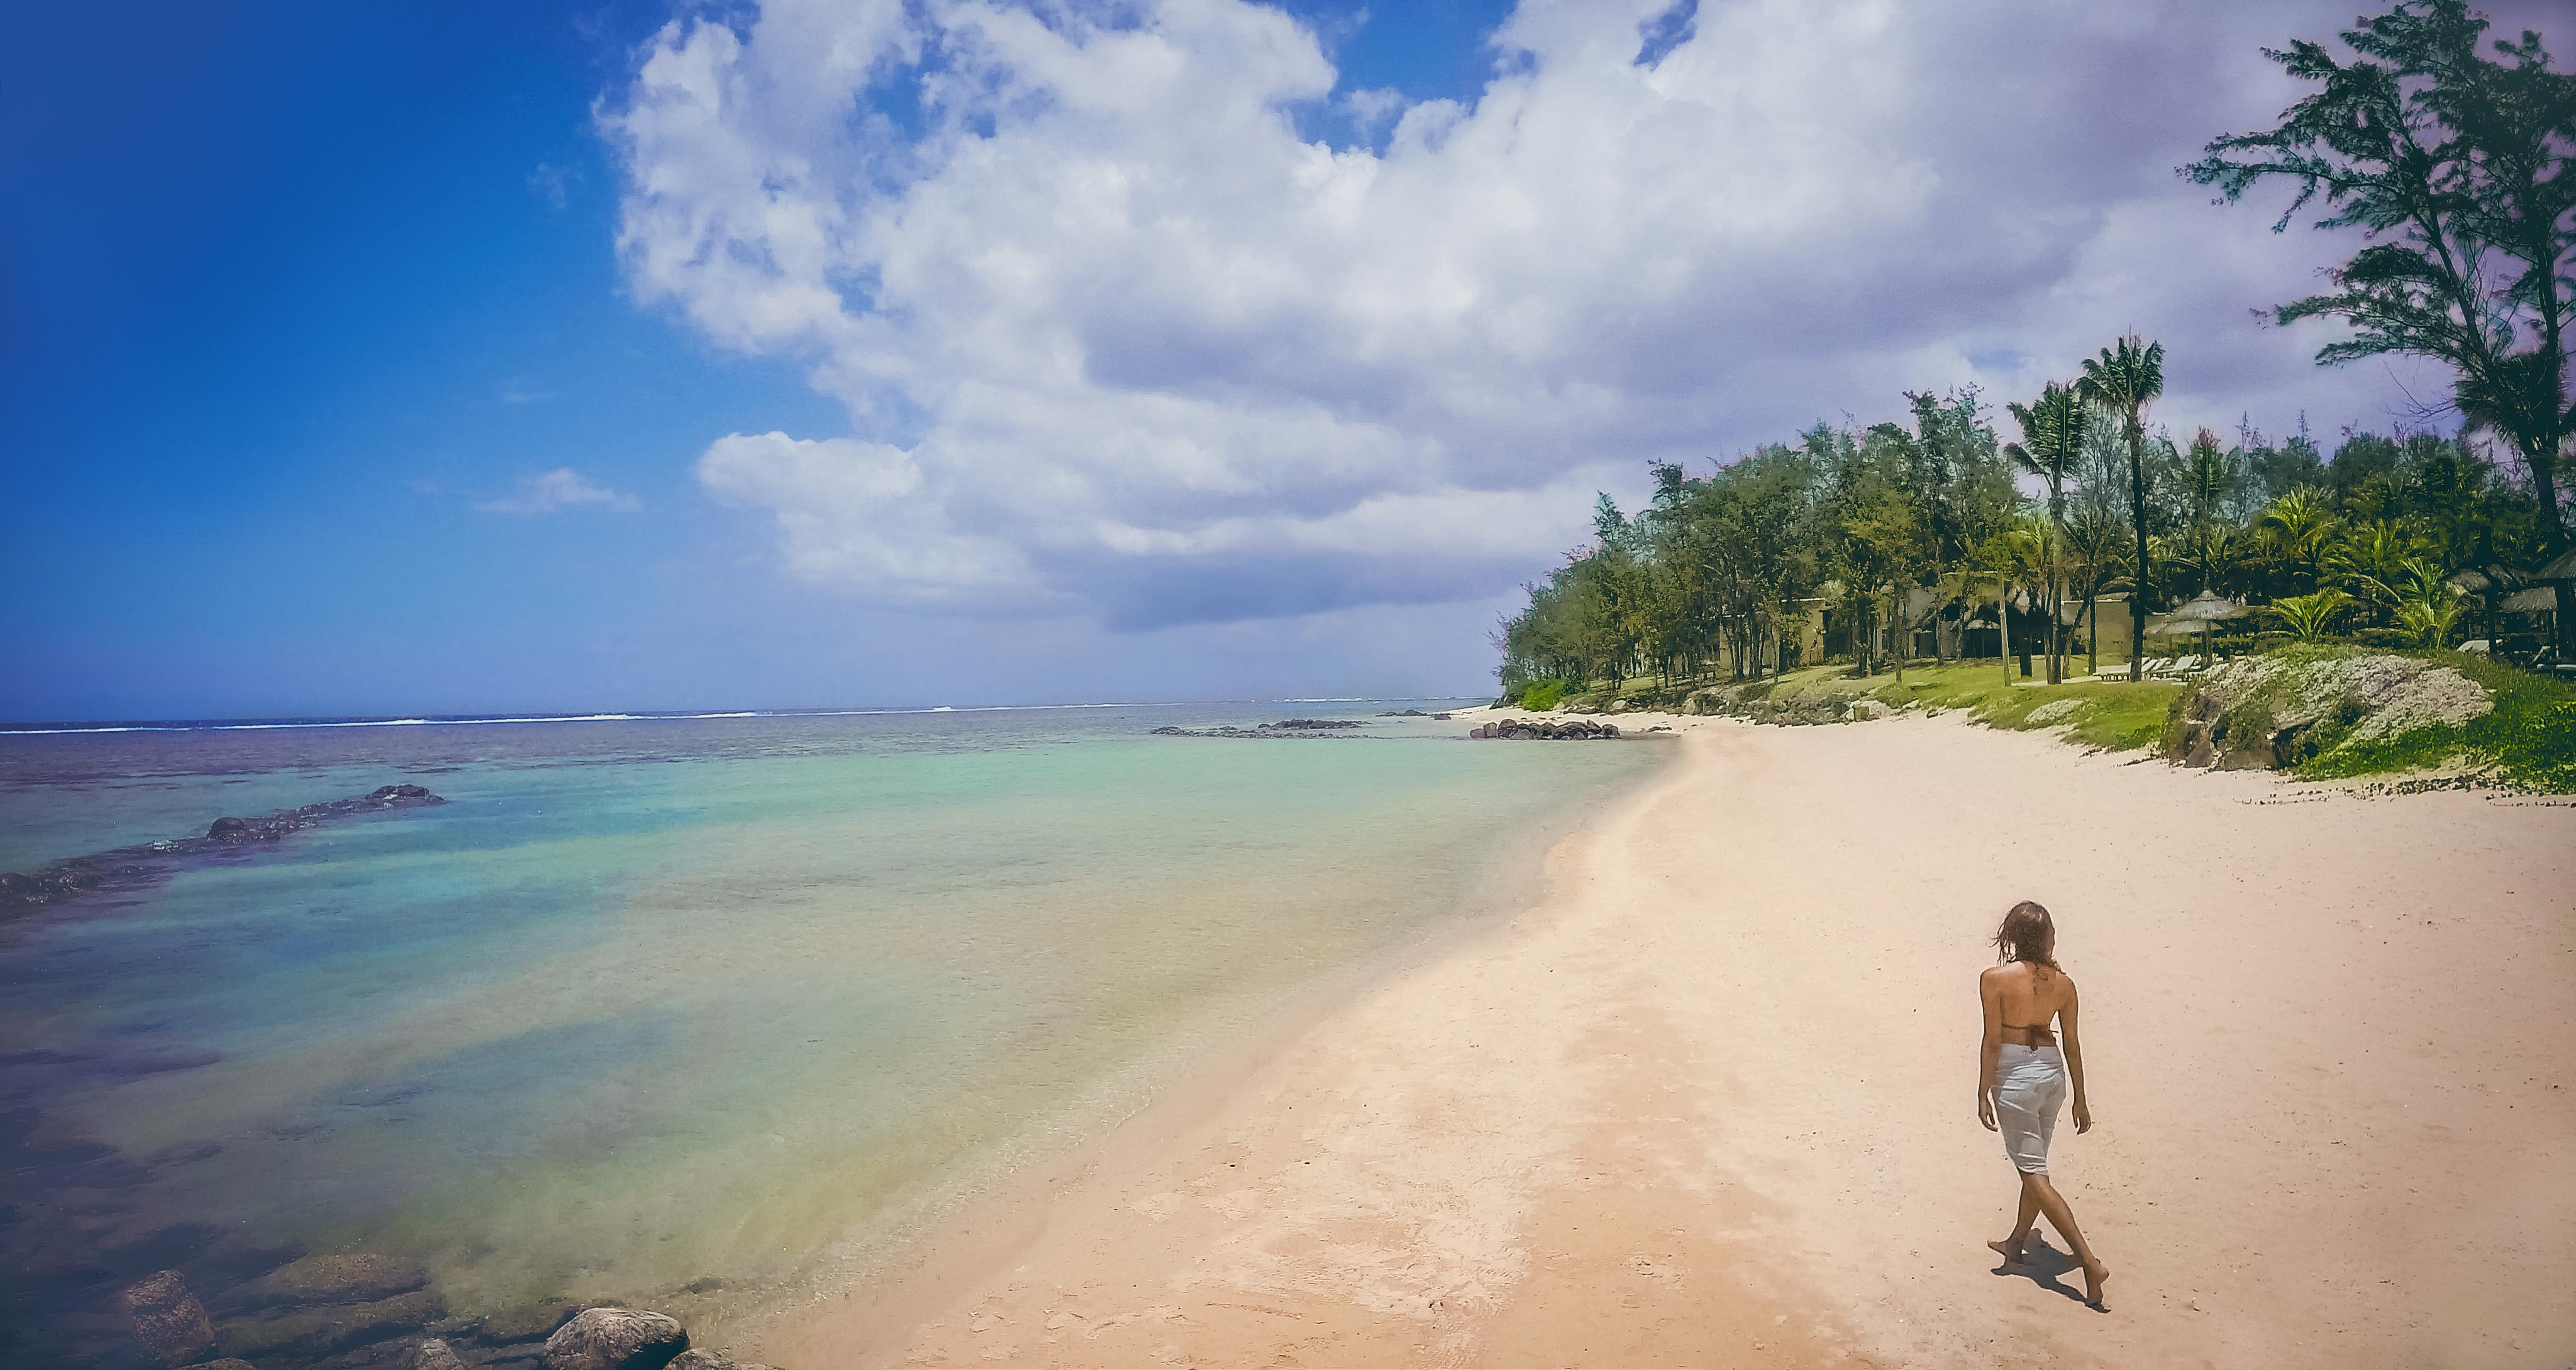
(2111, 714)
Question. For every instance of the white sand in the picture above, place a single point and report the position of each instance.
(1712, 1101)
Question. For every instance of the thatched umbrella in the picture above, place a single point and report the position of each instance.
(2201, 612)
(2491, 584)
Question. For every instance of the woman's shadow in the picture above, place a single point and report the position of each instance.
(2041, 1264)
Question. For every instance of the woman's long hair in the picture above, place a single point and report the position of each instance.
(2027, 934)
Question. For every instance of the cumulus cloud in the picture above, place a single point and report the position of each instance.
(561, 488)
(1116, 334)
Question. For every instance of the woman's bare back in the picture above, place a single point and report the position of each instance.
(2030, 996)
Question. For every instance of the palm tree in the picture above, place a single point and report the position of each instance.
(2052, 448)
(2020, 557)
(2374, 560)
(2123, 381)
(2309, 616)
(2300, 527)
(2093, 547)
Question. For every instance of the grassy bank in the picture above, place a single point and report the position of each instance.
(2526, 741)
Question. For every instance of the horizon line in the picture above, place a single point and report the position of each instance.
(280, 723)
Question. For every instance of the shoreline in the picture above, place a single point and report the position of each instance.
(1697, 1103)
(970, 1225)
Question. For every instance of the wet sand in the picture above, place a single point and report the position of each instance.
(1712, 1099)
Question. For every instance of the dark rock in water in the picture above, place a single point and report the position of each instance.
(433, 1354)
(168, 1321)
(227, 1363)
(711, 1360)
(1523, 730)
(393, 1353)
(529, 1322)
(1406, 713)
(130, 866)
(321, 1330)
(1286, 727)
(615, 1339)
(356, 1278)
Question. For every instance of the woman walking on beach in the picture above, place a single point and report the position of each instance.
(2022, 1076)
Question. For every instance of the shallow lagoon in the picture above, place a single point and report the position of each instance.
(653, 1003)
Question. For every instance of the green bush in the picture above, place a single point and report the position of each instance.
(1541, 694)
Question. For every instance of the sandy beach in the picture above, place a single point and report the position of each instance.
(1710, 1101)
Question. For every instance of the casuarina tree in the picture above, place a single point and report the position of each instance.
(2458, 165)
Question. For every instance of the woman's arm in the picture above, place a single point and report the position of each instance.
(2075, 1059)
(1990, 1049)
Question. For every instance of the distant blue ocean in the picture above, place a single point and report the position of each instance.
(656, 1001)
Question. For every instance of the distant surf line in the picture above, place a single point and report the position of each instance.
(271, 725)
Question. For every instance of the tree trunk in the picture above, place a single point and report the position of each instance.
(2003, 632)
(2138, 521)
(2542, 463)
(1898, 630)
(2056, 604)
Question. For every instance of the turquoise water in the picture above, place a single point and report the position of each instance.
(653, 1002)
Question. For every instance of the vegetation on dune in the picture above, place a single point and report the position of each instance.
(2456, 158)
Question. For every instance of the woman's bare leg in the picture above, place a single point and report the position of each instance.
(2010, 1247)
(2062, 1218)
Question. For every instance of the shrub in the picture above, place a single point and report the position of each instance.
(1541, 694)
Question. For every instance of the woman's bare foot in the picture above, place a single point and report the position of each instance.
(2095, 1275)
(2007, 1248)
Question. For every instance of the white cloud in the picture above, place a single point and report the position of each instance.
(552, 184)
(561, 488)
(1114, 333)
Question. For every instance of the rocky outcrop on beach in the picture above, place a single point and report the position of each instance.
(2287, 708)
(1286, 727)
(127, 867)
(1527, 730)
(616, 1339)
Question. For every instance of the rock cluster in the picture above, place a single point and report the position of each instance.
(1523, 730)
(362, 1311)
(1286, 727)
(129, 866)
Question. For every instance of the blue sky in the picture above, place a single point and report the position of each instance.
(293, 289)
(304, 303)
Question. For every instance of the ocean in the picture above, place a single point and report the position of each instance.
(664, 1004)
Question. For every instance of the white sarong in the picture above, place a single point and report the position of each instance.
(2030, 1086)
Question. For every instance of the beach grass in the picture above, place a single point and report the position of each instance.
(2527, 742)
